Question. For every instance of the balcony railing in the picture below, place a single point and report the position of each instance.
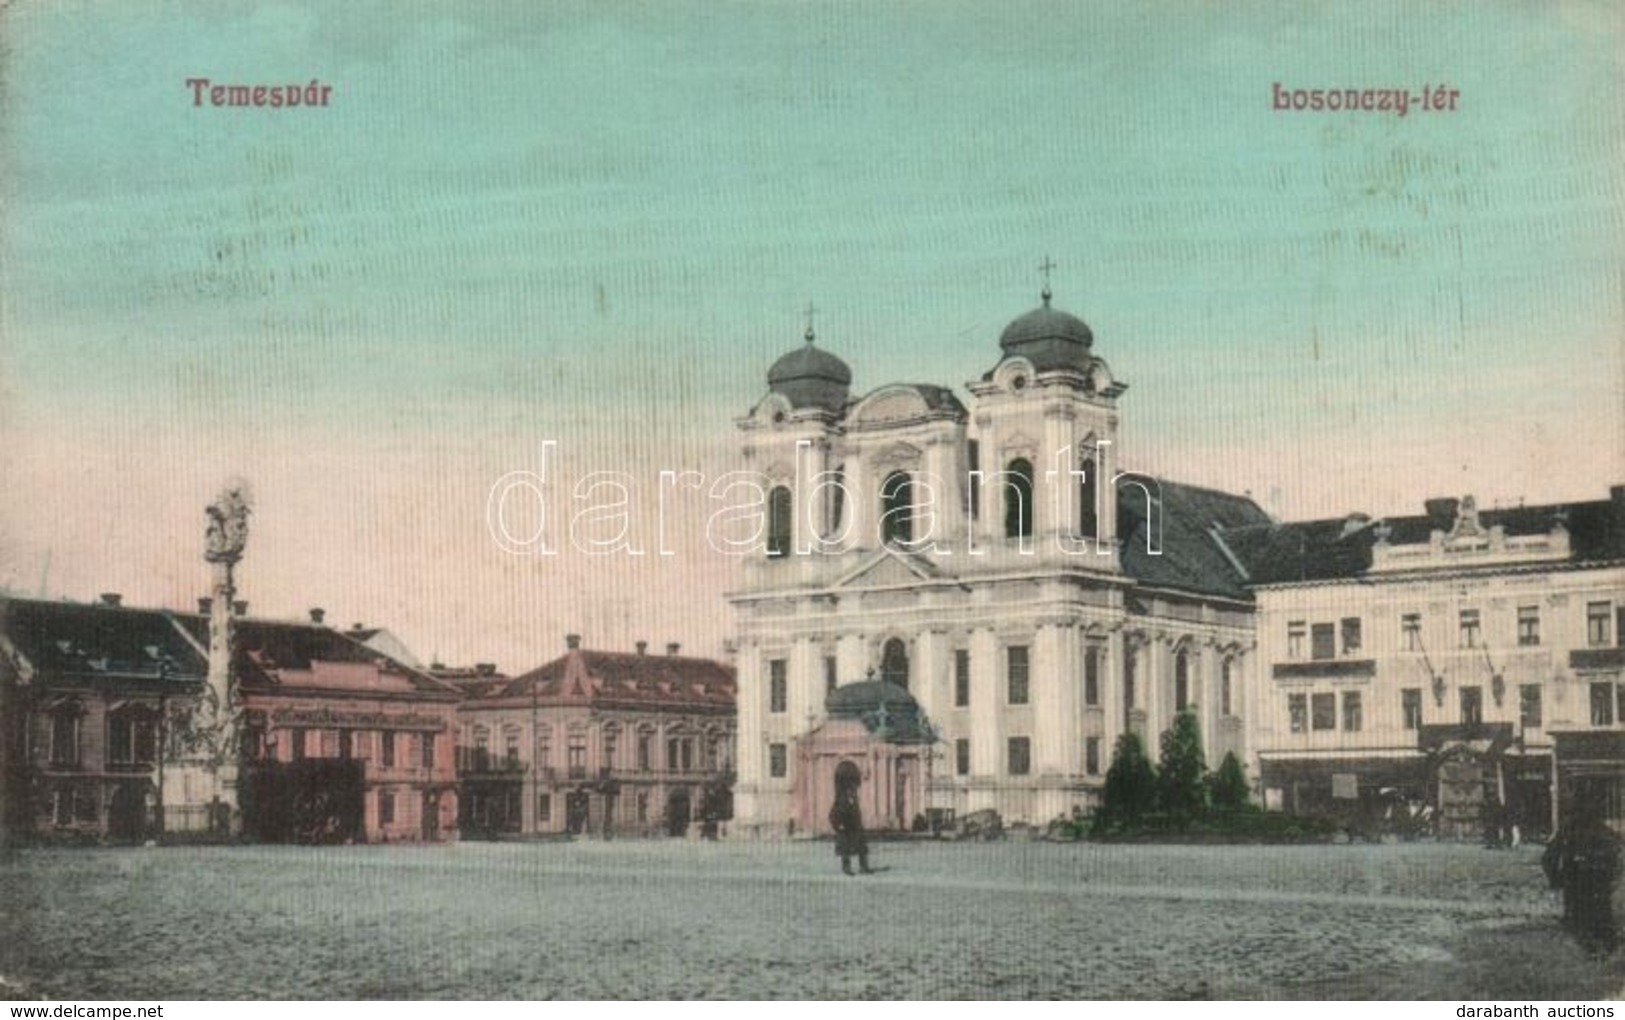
(1325, 669)
(480, 761)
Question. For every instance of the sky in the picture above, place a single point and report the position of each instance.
(599, 224)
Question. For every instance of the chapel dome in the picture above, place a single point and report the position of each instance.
(881, 706)
(811, 377)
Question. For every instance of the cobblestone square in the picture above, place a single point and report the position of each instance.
(778, 920)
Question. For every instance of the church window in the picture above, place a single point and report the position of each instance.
(962, 757)
(961, 678)
(1017, 674)
(778, 686)
(1091, 675)
(897, 508)
(894, 662)
(1182, 681)
(778, 761)
(1088, 494)
(1018, 499)
(1091, 756)
(1227, 677)
(778, 521)
(1020, 754)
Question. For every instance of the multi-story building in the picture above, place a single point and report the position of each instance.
(346, 741)
(87, 698)
(1424, 664)
(989, 559)
(601, 743)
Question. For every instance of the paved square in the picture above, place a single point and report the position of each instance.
(631, 919)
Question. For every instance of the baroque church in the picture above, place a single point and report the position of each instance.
(965, 599)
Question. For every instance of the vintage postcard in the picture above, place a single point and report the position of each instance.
(741, 500)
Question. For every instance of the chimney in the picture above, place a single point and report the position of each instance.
(111, 598)
(485, 668)
(1442, 510)
(317, 614)
(672, 648)
(239, 608)
(642, 646)
(205, 605)
(572, 641)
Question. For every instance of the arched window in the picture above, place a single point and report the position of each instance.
(1018, 499)
(894, 662)
(778, 521)
(897, 508)
(1088, 493)
(1226, 671)
(1182, 681)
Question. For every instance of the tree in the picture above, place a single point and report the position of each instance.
(1131, 784)
(1230, 790)
(1182, 775)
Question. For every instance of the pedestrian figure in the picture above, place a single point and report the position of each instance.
(846, 818)
(1583, 860)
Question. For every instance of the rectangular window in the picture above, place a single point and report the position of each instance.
(575, 756)
(426, 750)
(1091, 756)
(962, 757)
(1529, 707)
(544, 808)
(645, 741)
(1472, 706)
(1528, 625)
(1597, 623)
(510, 746)
(961, 678)
(296, 744)
(1091, 675)
(1295, 633)
(643, 807)
(778, 761)
(1410, 632)
(1410, 704)
(1351, 635)
(1323, 641)
(1470, 637)
(386, 808)
(831, 674)
(1227, 674)
(1323, 711)
(346, 744)
(1020, 751)
(1602, 704)
(389, 749)
(65, 737)
(1128, 680)
(1353, 716)
(1017, 662)
(778, 686)
(330, 743)
(1297, 710)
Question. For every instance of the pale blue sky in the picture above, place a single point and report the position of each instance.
(598, 223)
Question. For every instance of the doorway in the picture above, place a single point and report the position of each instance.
(678, 813)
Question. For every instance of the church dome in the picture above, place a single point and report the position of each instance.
(1049, 338)
(811, 377)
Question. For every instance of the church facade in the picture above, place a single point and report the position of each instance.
(987, 557)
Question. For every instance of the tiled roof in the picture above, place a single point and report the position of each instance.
(1340, 548)
(74, 639)
(1191, 558)
(273, 654)
(582, 676)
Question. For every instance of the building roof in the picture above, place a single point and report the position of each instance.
(1049, 338)
(810, 376)
(1191, 558)
(276, 655)
(100, 641)
(622, 680)
(1342, 548)
(886, 710)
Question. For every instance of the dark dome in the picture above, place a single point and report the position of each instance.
(879, 703)
(1049, 338)
(811, 377)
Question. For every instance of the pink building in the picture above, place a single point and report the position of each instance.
(874, 733)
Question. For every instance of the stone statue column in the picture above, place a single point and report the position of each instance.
(221, 711)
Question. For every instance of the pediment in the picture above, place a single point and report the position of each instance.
(889, 567)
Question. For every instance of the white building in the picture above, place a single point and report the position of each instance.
(1433, 658)
(969, 554)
